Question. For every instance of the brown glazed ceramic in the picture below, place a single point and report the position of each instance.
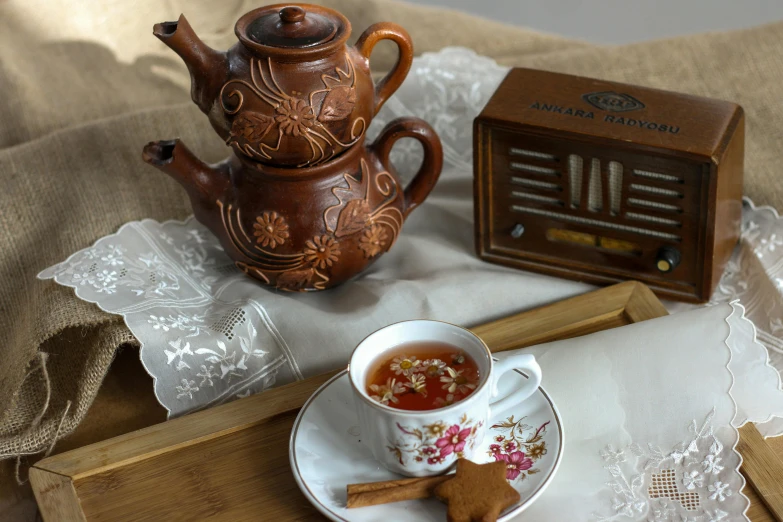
(302, 204)
(290, 92)
(307, 228)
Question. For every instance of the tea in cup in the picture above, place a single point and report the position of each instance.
(425, 391)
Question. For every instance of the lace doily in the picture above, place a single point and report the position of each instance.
(184, 299)
(754, 275)
(651, 426)
(686, 482)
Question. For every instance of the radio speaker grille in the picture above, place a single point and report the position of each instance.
(575, 166)
(596, 186)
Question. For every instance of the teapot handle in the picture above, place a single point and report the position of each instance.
(391, 82)
(429, 172)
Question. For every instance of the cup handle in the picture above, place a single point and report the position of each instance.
(365, 44)
(429, 172)
(523, 361)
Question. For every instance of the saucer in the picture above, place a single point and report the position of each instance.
(327, 454)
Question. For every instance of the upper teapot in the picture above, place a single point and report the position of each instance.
(290, 93)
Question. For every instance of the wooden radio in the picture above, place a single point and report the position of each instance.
(604, 182)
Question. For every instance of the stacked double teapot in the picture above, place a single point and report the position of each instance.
(302, 203)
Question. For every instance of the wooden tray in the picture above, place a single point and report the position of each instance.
(231, 462)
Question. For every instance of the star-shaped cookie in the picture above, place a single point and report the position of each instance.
(477, 493)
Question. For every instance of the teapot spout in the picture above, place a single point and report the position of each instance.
(204, 183)
(208, 68)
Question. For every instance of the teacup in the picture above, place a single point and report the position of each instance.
(429, 442)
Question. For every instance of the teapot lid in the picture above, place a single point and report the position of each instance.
(293, 27)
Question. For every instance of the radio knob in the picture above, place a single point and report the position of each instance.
(667, 259)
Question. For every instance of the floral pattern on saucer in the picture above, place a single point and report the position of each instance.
(520, 447)
(328, 451)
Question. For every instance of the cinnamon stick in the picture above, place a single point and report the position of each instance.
(374, 493)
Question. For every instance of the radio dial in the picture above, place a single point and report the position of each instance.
(667, 259)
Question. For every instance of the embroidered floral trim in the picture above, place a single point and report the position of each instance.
(202, 349)
(684, 484)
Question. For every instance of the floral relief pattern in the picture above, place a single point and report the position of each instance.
(295, 280)
(293, 117)
(373, 241)
(322, 251)
(355, 214)
(270, 229)
(435, 443)
(338, 104)
(350, 220)
(251, 126)
(353, 217)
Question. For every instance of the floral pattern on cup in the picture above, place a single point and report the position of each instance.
(435, 443)
(519, 448)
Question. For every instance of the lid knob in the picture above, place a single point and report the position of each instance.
(292, 14)
(290, 27)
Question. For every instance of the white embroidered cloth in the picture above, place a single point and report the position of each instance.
(650, 414)
(209, 334)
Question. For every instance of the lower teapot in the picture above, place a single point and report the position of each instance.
(311, 228)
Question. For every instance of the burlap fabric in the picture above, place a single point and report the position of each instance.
(84, 86)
